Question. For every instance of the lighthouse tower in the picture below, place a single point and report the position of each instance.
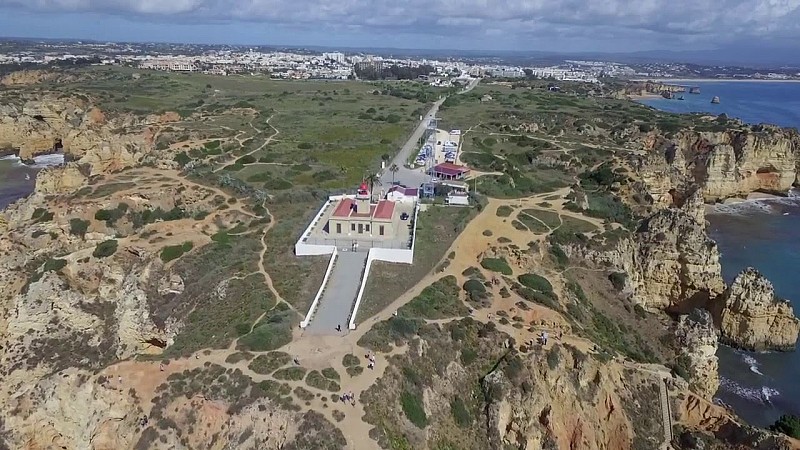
(362, 199)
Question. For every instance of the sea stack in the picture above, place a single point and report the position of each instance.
(753, 318)
(715, 100)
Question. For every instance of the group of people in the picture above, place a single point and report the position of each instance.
(371, 358)
(348, 397)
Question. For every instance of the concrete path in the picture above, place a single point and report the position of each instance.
(339, 295)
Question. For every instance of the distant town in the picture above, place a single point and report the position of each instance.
(297, 63)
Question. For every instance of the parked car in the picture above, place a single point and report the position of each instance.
(404, 216)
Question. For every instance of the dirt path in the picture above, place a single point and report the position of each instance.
(266, 142)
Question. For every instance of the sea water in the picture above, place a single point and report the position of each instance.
(764, 234)
(18, 180)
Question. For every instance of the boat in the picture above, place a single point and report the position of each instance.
(680, 97)
(28, 176)
(715, 100)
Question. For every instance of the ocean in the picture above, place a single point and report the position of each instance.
(14, 184)
(764, 234)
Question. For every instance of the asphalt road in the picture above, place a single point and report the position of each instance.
(411, 177)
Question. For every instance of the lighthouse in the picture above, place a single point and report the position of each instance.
(362, 203)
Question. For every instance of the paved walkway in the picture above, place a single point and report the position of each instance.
(340, 294)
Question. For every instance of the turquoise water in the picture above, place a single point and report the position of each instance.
(760, 387)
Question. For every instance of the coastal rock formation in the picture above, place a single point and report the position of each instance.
(670, 261)
(753, 318)
(731, 163)
(83, 133)
(697, 340)
(676, 265)
(60, 180)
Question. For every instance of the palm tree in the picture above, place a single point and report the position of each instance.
(394, 169)
(372, 179)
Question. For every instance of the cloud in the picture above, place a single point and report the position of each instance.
(677, 22)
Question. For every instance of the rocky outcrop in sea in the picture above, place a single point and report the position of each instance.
(753, 318)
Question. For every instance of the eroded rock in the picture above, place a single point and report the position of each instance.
(754, 318)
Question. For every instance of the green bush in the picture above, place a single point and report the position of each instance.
(171, 252)
(330, 373)
(788, 425)
(182, 159)
(272, 332)
(351, 360)
(109, 216)
(414, 409)
(438, 301)
(305, 146)
(316, 380)
(497, 265)
(42, 215)
(460, 413)
(78, 227)
(560, 257)
(54, 265)
(105, 249)
(536, 282)
(266, 364)
(290, 373)
(618, 280)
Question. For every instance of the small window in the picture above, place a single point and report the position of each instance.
(380, 230)
(338, 228)
(352, 227)
(366, 227)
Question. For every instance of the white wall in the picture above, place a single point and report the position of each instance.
(315, 303)
(384, 254)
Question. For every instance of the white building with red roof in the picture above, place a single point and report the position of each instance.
(359, 217)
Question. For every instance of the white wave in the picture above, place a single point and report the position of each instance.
(39, 162)
(756, 395)
(55, 159)
(752, 363)
(767, 393)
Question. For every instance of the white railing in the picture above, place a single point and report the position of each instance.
(321, 290)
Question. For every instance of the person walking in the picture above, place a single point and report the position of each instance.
(339, 328)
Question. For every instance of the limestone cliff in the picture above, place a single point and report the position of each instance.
(82, 132)
(753, 318)
(730, 163)
(670, 261)
(697, 343)
(61, 180)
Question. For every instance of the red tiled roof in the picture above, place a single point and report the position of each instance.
(384, 210)
(450, 169)
(343, 208)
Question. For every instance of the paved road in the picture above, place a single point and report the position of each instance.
(409, 177)
(340, 294)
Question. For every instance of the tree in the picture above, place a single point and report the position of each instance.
(788, 425)
(394, 169)
(385, 157)
(372, 179)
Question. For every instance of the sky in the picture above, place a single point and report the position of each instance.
(520, 25)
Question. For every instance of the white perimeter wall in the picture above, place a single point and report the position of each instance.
(403, 256)
(384, 254)
(304, 323)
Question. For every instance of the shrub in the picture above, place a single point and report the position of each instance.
(460, 413)
(42, 215)
(553, 357)
(351, 360)
(560, 257)
(618, 280)
(171, 252)
(266, 364)
(305, 146)
(54, 265)
(536, 282)
(105, 249)
(413, 408)
(290, 373)
(182, 159)
(78, 227)
(504, 211)
(437, 301)
(788, 425)
(497, 265)
(330, 373)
